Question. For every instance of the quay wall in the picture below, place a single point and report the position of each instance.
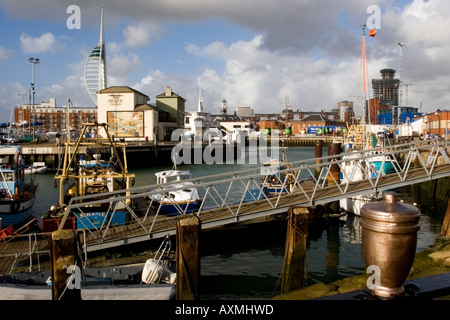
(141, 154)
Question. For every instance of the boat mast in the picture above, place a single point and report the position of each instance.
(364, 104)
(363, 61)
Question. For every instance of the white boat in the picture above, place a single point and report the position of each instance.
(36, 167)
(354, 169)
(177, 196)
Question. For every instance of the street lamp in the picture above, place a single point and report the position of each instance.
(33, 61)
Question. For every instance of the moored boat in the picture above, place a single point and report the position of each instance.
(17, 193)
(177, 196)
(94, 174)
(274, 177)
(36, 167)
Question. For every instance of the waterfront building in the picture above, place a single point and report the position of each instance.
(345, 111)
(173, 104)
(130, 116)
(48, 117)
(436, 123)
(395, 115)
(315, 124)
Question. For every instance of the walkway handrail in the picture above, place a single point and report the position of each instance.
(234, 191)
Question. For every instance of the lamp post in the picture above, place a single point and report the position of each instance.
(33, 61)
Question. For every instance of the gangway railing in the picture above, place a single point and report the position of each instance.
(302, 181)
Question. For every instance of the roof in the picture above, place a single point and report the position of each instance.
(121, 89)
(228, 118)
(143, 107)
(314, 117)
(172, 94)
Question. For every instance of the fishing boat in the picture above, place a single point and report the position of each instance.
(96, 169)
(177, 196)
(17, 193)
(353, 169)
(274, 177)
(36, 167)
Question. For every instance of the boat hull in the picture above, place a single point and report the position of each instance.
(36, 170)
(86, 220)
(385, 168)
(354, 205)
(174, 209)
(15, 211)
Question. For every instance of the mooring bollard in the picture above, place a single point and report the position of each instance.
(293, 270)
(318, 154)
(389, 240)
(445, 230)
(188, 258)
(66, 275)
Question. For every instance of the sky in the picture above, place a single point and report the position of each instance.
(264, 54)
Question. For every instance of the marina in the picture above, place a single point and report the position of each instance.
(134, 197)
(211, 219)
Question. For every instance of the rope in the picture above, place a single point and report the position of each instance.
(30, 268)
(14, 263)
(69, 280)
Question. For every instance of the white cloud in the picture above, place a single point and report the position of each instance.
(45, 43)
(301, 49)
(5, 53)
(120, 66)
(140, 35)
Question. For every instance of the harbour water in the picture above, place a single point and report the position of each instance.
(246, 262)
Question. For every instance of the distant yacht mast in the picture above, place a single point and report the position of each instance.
(95, 67)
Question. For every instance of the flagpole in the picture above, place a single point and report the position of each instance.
(363, 58)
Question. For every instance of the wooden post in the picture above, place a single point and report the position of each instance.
(445, 231)
(334, 149)
(295, 250)
(64, 253)
(187, 258)
(318, 154)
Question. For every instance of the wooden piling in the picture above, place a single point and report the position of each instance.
(334, 149)
(445, 231)
(187, 258)
(318, 154)
(295, 250)
(63, 253)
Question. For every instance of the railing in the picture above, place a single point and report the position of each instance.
(230, 192)
(32, 250)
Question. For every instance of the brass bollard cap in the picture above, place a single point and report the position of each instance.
(390, 216)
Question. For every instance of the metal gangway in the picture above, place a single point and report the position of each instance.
(239, 195)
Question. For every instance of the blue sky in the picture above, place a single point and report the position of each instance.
(251, 53)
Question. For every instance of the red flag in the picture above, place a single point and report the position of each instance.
(372, 32)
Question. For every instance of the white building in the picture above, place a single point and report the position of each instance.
(127, 113)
